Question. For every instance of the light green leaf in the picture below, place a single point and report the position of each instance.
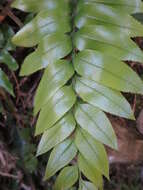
(95, 122)
(107, 17)
(104, 98)
(36, 6)
(61, 155)
(88, 38)
(67, 177)
(44, 25)
(55, 108)
(129, 6)
(51, 49)
(108, 71)
(55, 76)
(92, 151)
(90, 171)
(56, 134)
(86, 185)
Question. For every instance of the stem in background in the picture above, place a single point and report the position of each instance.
(73, 4)
(6, 11)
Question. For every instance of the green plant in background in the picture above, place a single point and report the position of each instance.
(6, 34)
(81, 46)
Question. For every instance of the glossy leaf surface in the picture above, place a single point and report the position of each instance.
(56, 134)
(92, 151)
(85, 185)
(102, 97)
(61, 155)
(49, 50)
(36, 6)
(55, 76)
(95, 122)
(67, 177)
(108, 71)
(90, 171)
(55, 108)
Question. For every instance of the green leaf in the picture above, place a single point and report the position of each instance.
(93, 151)
(104, 98)
(129, 6)
(90, 171)
(95, 122)
(89, 38)
(47, 25)
(61, 155)
(55, 76)
(108, 71)
(67, 177)
(94, 13)
(36, 6)
(5, 83)
(6, 58)
(51, 49)
(56, 134)
(55, 108)
(86, 185)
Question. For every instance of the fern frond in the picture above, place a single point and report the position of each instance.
(81, 45)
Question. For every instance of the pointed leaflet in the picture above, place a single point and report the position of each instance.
(56, 134)
(104, 98)
(99, 15)
(90, 171)
(129, 6)
(61, 155)
(67, 178)
(93, 151)
(55, 108)
(86, 185)
(51, 49)
(88, 38)
(36, 6)
(95, 122)
(107, 71)
(5, 83)
(43, 25)
(55, 76)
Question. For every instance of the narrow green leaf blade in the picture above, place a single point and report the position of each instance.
(90, 171)
(55, 108)
(56, 134)
(104, 98)
(93, 151)
(61, 155)
(107, 17)
(36, 6)
(51, 49)
(108, 71)
(46, 23)
(95, 122)
(106, 42)
(55, 76)
(129, 6)
(86, 185)
(67, 178)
